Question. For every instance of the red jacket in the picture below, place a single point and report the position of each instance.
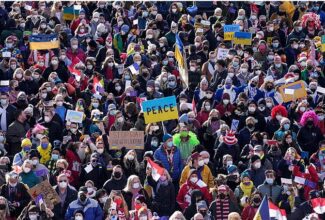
(79, 55)
(184, 194)
(223, 109)
(74, 166)
(311, 176)
(75, 23)
(248, 213)
(202, 116)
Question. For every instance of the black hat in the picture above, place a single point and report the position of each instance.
(33, 153)
(255, 158)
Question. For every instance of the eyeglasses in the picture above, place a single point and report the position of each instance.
(94, 161)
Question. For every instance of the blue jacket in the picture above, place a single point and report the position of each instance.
(219, 93)
(161, 156)
(92, 210)
(259, 94)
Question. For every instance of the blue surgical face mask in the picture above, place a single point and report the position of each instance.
(55, 157)
(169, 144)
(286, 126)
(44, 145)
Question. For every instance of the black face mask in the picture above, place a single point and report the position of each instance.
(203, 212)
(214, 119)
(82, 197)
(3, 206)
(250, 126)
(269, 88)
(310, 123)
(256, 200)
(117, 175)
(222, 196)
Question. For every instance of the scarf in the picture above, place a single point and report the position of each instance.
(222, 209)
(3, 121)
(247, 190)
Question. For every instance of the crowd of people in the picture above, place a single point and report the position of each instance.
(239, 136)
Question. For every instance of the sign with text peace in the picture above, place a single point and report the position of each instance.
(162, 109)
(229, 31)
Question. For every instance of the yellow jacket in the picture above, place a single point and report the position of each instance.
(45, 153)
(206, 175)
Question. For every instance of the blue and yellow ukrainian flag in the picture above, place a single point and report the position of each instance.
(263, 212)
(243, 38)
(69, 13)
(181, 59)
(43, 41)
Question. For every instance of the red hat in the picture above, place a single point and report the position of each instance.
(195, 155)
(230, 138)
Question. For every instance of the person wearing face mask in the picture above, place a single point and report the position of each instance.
(89, 206)
(120, 124)
(296, 32)
(229, 146)
(7, 111)
(245, 189)
(28, 177)
(117, 180)
(93, 171)
(192, 183)
(203, 114)
(16, 194)
(277, 113)
(256, 170)
(171, 35)
(131, 165)
(164, 199)
(44, 149)
(220, 74)
(270, 187)
(291, 161)
(203, 171)
(150, 91)
(53, 125)
(222, 205)
(81, 19)
(39, 169)
(74, 52)
(309, 134)
(285, 125)
(292, 51)
(250, 210)
(225, 108)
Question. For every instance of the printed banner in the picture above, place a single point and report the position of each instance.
(229, 31)
(43, 41)
(222, 53)
(47, 192)
(243, 38)
(293, 91)
(74, 116)
(127, 139)
(160, 109)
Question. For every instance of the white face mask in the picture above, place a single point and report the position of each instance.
(120, 120)
(103, 199)
(251, 109)
(201, 163)
(206, 161)
(27, 169)
(229, 162)
(34, 162)
(100, 151)
(54, 62)
(78, 217)
(258, 165)
(63, 184)
(74, 47)
(225, 101)
(130, 157)
(33, 217)
(136, 185)
(47, 119)
(194, 179)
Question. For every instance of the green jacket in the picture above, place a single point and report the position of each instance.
(186, 147)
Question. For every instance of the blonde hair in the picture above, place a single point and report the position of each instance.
(136, 162)
(177, 215)
(128, 187)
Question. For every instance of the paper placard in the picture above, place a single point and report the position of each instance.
(234, 124)
(298, 88)
(222, 53)
(4, 83)
(6, 54)
(88, 168)
(299, 180)
(286, 181)
(134, 68)
(320, 90)
(74, 116)
(48, 193)
(77, 7)
(289, 91)
(28, 7)
(127, 83)
(162, 109)
(127, 139)
(135, 22)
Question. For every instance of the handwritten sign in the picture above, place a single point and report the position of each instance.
(229, 31)
(127, 139)
(48, 193)
(292, 91)
(243, 38)
(222, 53)
(162, 109)
(74, 116)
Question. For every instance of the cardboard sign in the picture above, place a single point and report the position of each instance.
(6, 54)
(160, 109)
(127, 139)
(222, 53)
(286, 181)
(74, 116)
(323, 44)
(293, 91)
(229, 31)
(48, 193)
(243, 38)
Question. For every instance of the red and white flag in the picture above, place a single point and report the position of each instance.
(276, 212)
(156, 170)
(318, 205)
